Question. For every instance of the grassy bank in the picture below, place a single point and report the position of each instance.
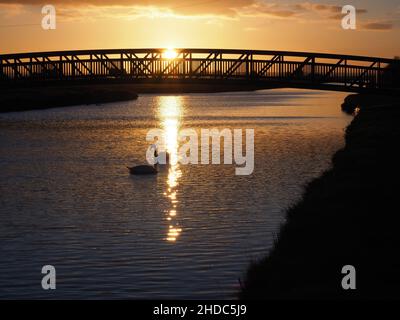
(348, 216)
(21, 99)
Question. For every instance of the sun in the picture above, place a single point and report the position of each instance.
(170, 53)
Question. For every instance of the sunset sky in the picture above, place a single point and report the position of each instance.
(242, 24)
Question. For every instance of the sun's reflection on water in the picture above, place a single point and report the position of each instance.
(170, 112)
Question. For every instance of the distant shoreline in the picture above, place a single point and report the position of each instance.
(42, 96)
(36, 98)
(345, 217)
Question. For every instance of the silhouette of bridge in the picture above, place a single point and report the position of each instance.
(250, 67)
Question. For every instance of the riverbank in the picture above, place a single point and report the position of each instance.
(348, 216)
(34, 98)
(43, 96)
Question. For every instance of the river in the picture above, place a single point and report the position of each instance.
(191, 231)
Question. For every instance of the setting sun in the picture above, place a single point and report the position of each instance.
(170, 54)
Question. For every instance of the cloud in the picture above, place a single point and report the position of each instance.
(279, 9)
(261, 9)
(378, 26)
(326, 11)
(91, 10)
(188, 7)
(303, 11)
(166, 8)
(11, 10)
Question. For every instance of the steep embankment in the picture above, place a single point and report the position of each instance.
(348, 216)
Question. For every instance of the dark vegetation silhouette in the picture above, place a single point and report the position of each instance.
(392, 74)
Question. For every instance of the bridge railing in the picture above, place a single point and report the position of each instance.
(130, 64)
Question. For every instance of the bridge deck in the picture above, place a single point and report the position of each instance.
(312, 70)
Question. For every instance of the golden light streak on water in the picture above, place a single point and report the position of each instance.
(170, 113)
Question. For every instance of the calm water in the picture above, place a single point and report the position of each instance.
(190, 232)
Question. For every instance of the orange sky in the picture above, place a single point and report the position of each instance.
(254, 24)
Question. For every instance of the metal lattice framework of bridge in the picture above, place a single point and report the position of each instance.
(311, 70)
